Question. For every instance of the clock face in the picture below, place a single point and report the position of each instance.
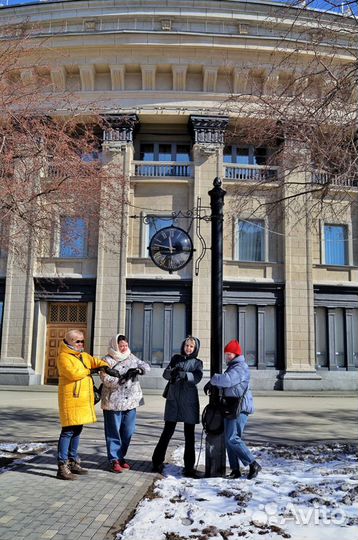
(171, 248)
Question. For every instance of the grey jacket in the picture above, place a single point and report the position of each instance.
(234, 381)
(182, 400)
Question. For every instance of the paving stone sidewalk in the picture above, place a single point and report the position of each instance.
(34, 505)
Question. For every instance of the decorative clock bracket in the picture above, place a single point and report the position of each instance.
(195, 215)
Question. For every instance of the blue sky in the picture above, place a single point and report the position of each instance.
(319, 4)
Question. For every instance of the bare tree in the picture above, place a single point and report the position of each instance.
(49, 152)
(303, 106)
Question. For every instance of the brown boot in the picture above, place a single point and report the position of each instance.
(75, 467)
(64, 472)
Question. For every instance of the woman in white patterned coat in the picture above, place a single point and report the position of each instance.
(121, 395)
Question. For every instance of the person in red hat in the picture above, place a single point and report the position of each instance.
(235, 386)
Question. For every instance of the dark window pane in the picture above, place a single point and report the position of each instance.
(250, 335)
(270, 337)
(242, 156)
(137, 320)
(179, 326)
(165, 152)
(230, 323)
(1, 312)
(183, 152)
(355, 337)
(146, 152)
(340, 338)
(260, 156)
(228, 154)
(178, 331)
(321, 337)
(158, 334)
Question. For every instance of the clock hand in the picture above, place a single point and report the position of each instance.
(170, 244)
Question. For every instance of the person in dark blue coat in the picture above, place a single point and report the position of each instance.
(183, 373)
(235, 382)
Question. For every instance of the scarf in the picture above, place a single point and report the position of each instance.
(74, 348)
(115, 353)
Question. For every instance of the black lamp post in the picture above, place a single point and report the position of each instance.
(215, 445)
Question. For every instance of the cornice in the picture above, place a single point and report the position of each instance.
(185, 44)
(242, 20)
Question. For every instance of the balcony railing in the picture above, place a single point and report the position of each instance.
(156, 169)
(326, 178)
(251, 173)
(55, 172)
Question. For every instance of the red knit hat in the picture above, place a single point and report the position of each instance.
(234, 347)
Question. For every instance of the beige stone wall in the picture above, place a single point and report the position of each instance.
(112, 252)
(205, 171)
(299, 314)
(18, 311)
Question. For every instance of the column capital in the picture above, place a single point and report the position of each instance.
(208, 131)
(119, 130)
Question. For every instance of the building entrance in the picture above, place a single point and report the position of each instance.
(62, 317)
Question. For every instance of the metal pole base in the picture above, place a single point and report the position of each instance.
(215, 456)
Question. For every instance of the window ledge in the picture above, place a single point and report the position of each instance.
(257, 264)
(336, 266)
(161, 179)
(64, 259)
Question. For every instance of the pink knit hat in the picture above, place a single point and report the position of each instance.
(234, 347)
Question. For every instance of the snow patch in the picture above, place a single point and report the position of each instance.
(302, 492)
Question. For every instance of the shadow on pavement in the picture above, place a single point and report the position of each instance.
(270, 425)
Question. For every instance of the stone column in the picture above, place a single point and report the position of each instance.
(208, 135)
(110, 309)
(299, 308)
(15, 360)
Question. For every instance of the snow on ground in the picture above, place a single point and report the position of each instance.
(302, 492)
(14, 453)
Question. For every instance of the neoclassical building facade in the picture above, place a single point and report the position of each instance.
(162, 74)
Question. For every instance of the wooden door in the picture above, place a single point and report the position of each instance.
(62, 317)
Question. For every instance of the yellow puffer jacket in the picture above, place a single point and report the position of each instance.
(75, 388)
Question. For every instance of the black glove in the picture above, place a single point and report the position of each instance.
(208, 388)
(112, 372)
(97, 369)
(176, 359)
(173, 374)
(177, 374)
(132, 374)
(181, 374)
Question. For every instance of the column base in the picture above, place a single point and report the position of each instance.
(300, 380)
(17, 375)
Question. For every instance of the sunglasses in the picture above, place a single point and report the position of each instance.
(79, 341)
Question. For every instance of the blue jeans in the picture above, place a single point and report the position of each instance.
(119, 427)
(236, 448)
(68, 443)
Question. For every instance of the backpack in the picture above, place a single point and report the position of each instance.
(212, 419)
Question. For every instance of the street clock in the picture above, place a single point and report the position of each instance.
(171, 248)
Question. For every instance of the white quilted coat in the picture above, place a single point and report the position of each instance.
(122, 397)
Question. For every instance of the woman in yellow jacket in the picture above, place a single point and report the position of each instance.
(76, 400)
